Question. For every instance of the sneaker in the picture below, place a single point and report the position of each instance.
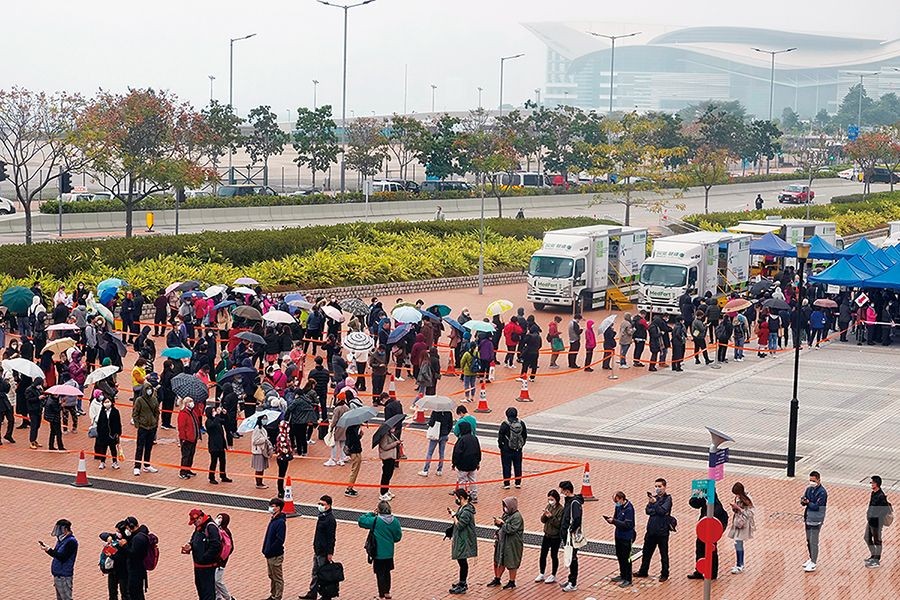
(384, 497)
(459, 588)
(311, 442)
(137, 472)
(341, 463)
(399, 379)
(495, 582)
(101, 466)
(150, 469)
(115, 466)
(550, 579)
(213, 481)
(625, 584)
(735, 570)
(807, 563)
(510, 585)
(520, 379)
(663, 578)
(569, 587)
(505, 487)
(262, 486)
(439, 472)
(873, 563)
(589, 370)
(183, 476)
(422, 473)
(226, 479)
(617, 579)
(351, 493)
(345, 459)
(390, 495)
(539, 578)
(624, 366)
(329, 463)
(809, 568)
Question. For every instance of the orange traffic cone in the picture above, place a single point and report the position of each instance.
(451, 365)
(482, 400)
(586, 492)
(81, 479)
(420, 414)
(289, 510)
(392, 388)
(523, 393)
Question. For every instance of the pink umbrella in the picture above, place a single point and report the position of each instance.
(64, 327)
(65, 390)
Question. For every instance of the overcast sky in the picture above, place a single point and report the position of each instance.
(454, 44)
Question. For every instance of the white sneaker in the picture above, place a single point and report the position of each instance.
(422, 473)
(624, 366)
(550, 579)
(115, 466)
(736, 570)
(807, 563)
(399, 379)
(101, 466)
(539, 578)
(137, 472)
(344, 459)
(384, 497)
(311, 442)
(150, 469)
(569, 587)
(810, 567)
(439, 472)
(341, 463)
(390, 495)
(329, 463)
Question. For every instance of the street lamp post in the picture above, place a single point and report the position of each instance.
(537, 97)
(433, 89)
(612, 59)
(503, 59)
(772, 53)
(211, 79)
(860, 94)
(231, 42)
(346, 8)
(802, 255)
(315, 83)
(479, 96)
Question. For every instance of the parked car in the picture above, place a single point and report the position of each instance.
(521, 179)
(882, 175)
(796, 194)
(850, 174)
(230, 191)
(408, 185)
(305, 192)
(380, 186)
(6, 206)
(431, 186)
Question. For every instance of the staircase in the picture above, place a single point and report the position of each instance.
(616, 300)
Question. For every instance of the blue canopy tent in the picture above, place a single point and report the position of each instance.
(890, 279)
(860, 263)
(772, 245)
(876, 258)
(893, 252)
(841, 273)
(859, 247)
(822, 249)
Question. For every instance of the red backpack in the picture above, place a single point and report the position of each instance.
(151, 559)
(227, 545)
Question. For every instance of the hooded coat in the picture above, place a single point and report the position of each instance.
(387, 532)
(464, 543)
(509, 538)
(467, 450)
(590, 337)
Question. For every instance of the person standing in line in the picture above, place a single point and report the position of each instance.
(713, 316)
(698, 502)
(741, 332)
(378, 361)
(222, 521)
(444, 419)
(845, 317)
(117, 573)
(640, 337)
(512, 333)
(53, 416)
(273, 548)
(724, 331)
(466, 459)
(679, 343)
(6, 408)
(188, 436)
(217, 438)
(323, 544)
(205, 548)
(551, 519)
(353, 443)
(511, 440)
(659, 511)
(284, 453)
(530, 350)
(574, 331)
(138, 537)
(387, 532)
(569, 526)
(698, 332)
(555, 339)
(878, 510)
(64, 553)
(774, 325)
(609, 347)
(814, 502)
(508, 543)
(34, 401)
(145, 415)
(590, 342)
(742, 524)
(463, 539)
(260, 451)
(623, 519)
(389, 453)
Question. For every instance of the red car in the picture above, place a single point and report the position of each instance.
(796, 194)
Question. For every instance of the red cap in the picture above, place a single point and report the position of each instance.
(196, 512)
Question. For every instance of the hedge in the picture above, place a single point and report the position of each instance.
(238, 248)
(854, 198)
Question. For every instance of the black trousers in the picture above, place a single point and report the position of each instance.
(298, 437)
(217, 457)
(387, 471)
(529, 361)
(34, 422)
(549, 546)
(282, 471)
(573, 567)
(136, 578)
(638, 350)
(588, 357)
(574, 347)
(378, 383)
(143, 447)
(10, 422)
(623, 555)
(511, 461)
(159, 324)
(168, 405)
(187, 457)
(700, 347)
(55, 436)
(463, 569)
(117, 585)
(722, 351)
(382, 568)
(205, 580)
(677, 356)
(651, 543)
(607, 358)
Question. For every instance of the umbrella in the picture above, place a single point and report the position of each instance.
(438, 403)
(358, 341)
(406, 314)
(455, 324)
(430, 315)
(60, 345)
(399, 304)
(224, 304)
(245, 281)
(776, 304)
(112, 282)
(64, 327)
(102, 311)
(441, 310)
(249, 423)
(385, 428)
(333, 313)
(606, 324)
(23, 366)
(251, 337)
(172, 287)
(193, 295)
(825, 303)
(238, 371)
(278, 316)
(762, 286)
(399, 332)
(18, 299)
(65, 390)
(177, 353)
(248, 312)
(298, 303)
(243, 290)
(189, 386)
(737, 304)
(356, 416)
(187, 286)
(498, 307)
(475, 325)
(100, 373)
(119, 344)
(355, 306)
(107, 294)
(214, 290)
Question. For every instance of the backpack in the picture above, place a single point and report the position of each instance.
(516, 439)
(476, 362)
(329, 578)
(720, 331)
(151, 559)
(227, 545)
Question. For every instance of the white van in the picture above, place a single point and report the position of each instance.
(521, 179)
(387, 186)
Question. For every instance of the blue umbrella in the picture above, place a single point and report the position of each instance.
(430, 315)
(177, 353)
(236, 372)
(399, 333)
(249, 423)
(112, 282)
(225, 304)
(298, 298)
(107, 294)
(193, 295)
(455, 324)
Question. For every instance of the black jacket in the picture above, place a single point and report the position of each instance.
(659, 513)
(467, 450)
(109, 428)
(503, 436)
(878, 509)
(571, 516)
(719, 511)
(216, 438)
(206, 545)
(140, 544)
(445, 418)
(322, 378)
(33, 399)
(326, 531)
(353, 440)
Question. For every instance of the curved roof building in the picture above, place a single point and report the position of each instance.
(668, 68)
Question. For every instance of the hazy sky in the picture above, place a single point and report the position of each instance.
(454, 44)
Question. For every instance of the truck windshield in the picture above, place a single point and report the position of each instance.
(664, 275)
(550, 266)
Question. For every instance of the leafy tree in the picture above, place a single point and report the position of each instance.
(34, 131)
(366, 146)
(707, 167)
(822, 118)
(221, 132)
(760, 141)
(438, 150)
(693, 112)
(144, 141)
(811, 155)
(315, 140)
(721, 129)
(790, 120)
(848, 112)
(670, 133)
(404, 135)
(567, 133)
(869, 150)
(266, 138)
(489, 155)
(524, 135)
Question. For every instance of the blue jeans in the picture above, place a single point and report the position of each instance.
(441, 445)
(469, 385)
(773, 341)
(739, 351)
(623, 360)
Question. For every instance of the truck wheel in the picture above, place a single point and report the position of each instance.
(539, 306)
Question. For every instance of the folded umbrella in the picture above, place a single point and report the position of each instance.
(358, 341)
(441, 310)
(251, 337)
(224, 304)
(238, 371)
(64, 327)
(248, 312)
(177, 353)
(399, 332)
(355, 306)
(437, 403)
(385, 428)
(65, 390)
(776, 304)
(484, 326)
(357, 416)
(278, 316)
(333, 313)
(406, 314)
(249, 423)
(189, 386)
(498, 307)
(245, 281)
(23, 366)
(18, 299)
(243, 290)
(60, 345)
(100, 373)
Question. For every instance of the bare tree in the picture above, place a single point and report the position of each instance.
(811, 156)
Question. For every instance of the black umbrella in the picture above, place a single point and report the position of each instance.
(235, 372)
(776, 304)
(251, 337)
(248, 312)
(386, 427)
(188, 286)
(761, 287)
(104, 341)
(188, 386)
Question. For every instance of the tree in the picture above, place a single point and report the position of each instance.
(707, 167)
(489, 155)
(760, 141)
(523, 134)
(669, 133)
(892, 152)
(266, 138)
(405, 135)
(315, 140)
(822, 118)
(720, 129)
(693, 112)
(366, 146)
(790, 120)
(438, 150)
(848, 112)
(811, 155)
(567, 133)
(868, 150)
(640, 167)
(222, 132)
(144, 141)
(34, 132)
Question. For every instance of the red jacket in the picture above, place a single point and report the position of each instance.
(763, 333)
(512, 330)
(188, 426)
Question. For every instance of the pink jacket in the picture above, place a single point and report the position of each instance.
(590, 338)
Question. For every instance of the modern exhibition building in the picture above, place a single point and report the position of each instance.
(668, 68)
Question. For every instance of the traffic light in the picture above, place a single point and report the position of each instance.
(65, 183)
(3, 174)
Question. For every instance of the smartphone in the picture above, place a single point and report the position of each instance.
(605, 517)
(649, 494)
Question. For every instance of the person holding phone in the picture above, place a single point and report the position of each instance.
(463, 539)
(659, 512)
(623, 519)
(64, 553)
(552, 519)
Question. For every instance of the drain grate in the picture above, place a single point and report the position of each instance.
(107, 485)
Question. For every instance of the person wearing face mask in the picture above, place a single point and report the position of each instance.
(260, 450)
(64, 553)
(222, 521)
(188, 436)
(273, 548)
(323, 544)
(138, 536)
(109, 430)
(217, 438)
(570, 525)
(659, 511)
(552, 519)
(6, 407)
(814, 501)
(623, 519)
(205, 549)
(387, 532)
(508, 543)
(34, 401)
(145, 416)
(117, 575)
(876, 514)
(463, 538)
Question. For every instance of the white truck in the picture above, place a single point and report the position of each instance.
(698, 262)
(791, 230)
(583, 264)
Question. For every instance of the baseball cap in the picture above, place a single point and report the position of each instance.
(195, 513)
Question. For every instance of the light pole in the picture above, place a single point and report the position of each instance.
(717, 438)
(503, 59)
(315, 83)
(802, 255)
(231, 42)
(612, 59)
(772, 53)
(479, 96)
(211, 79)
(537, 97)
(433, 89)
(346, 8)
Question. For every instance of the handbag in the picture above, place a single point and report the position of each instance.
(371, 545)
(557, 344)
(433, 432)
(92, 431)
(329, 439)
(740, 521)
(568, 553)
(578, 539)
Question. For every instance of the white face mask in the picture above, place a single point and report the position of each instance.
(322, 508)
(107, 405)
(190, 405)
(219, 521)
(813, 484)
(271, 510)
(551, 502)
